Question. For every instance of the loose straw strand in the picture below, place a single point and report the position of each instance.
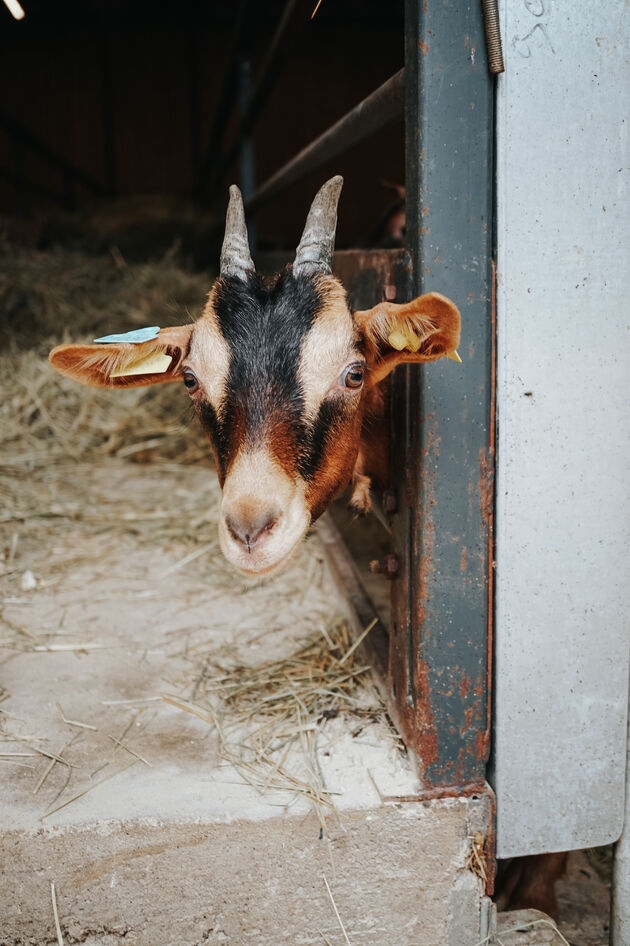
(56, 914)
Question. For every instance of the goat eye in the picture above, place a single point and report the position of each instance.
(191, 381)
(352, 376)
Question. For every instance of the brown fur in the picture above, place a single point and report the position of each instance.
(528, 883)
(360, 499)
(436, 322)
(284, 449)
(93, 364)
(336, 465)
(372, 463)
(433, 318)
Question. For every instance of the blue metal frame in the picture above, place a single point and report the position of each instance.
(443, 459)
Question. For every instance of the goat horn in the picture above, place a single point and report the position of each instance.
(236, 259)
(315, 252)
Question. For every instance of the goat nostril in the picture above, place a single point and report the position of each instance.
(248, 531)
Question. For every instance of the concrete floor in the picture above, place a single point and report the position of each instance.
(113, 595)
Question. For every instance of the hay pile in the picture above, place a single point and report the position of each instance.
(53, 297)
(53, 436)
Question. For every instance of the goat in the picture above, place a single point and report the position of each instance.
(286, 381)
(291, 389)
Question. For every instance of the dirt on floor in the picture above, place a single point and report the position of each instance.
(117, 570)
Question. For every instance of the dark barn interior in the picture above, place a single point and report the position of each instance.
(130, 112)
(123, 124)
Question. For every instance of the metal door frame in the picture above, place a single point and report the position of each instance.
(443, 456)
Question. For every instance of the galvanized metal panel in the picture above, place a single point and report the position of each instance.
(443, 449)
(563, 497)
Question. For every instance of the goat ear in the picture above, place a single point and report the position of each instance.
(125, 364)
(425, 329)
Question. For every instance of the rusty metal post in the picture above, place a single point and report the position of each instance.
(442, 415)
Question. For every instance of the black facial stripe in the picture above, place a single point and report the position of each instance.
(264, 329)
(214, 428)
(316, 441)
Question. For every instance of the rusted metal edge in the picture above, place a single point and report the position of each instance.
(490, 518)
(440, 628)
(383, 106)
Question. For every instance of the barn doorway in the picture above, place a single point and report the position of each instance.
(121, 126)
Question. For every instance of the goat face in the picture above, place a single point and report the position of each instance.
(276, 377)
(280, 376)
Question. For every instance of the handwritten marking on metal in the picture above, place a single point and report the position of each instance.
(525, 44)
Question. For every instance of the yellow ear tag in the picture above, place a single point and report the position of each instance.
(404, 338)
(155, 363)
(454, 357)
(397, 340)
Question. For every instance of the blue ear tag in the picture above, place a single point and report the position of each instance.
(136, 337)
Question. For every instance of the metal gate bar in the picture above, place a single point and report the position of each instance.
(383, 106)
(376, 111)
